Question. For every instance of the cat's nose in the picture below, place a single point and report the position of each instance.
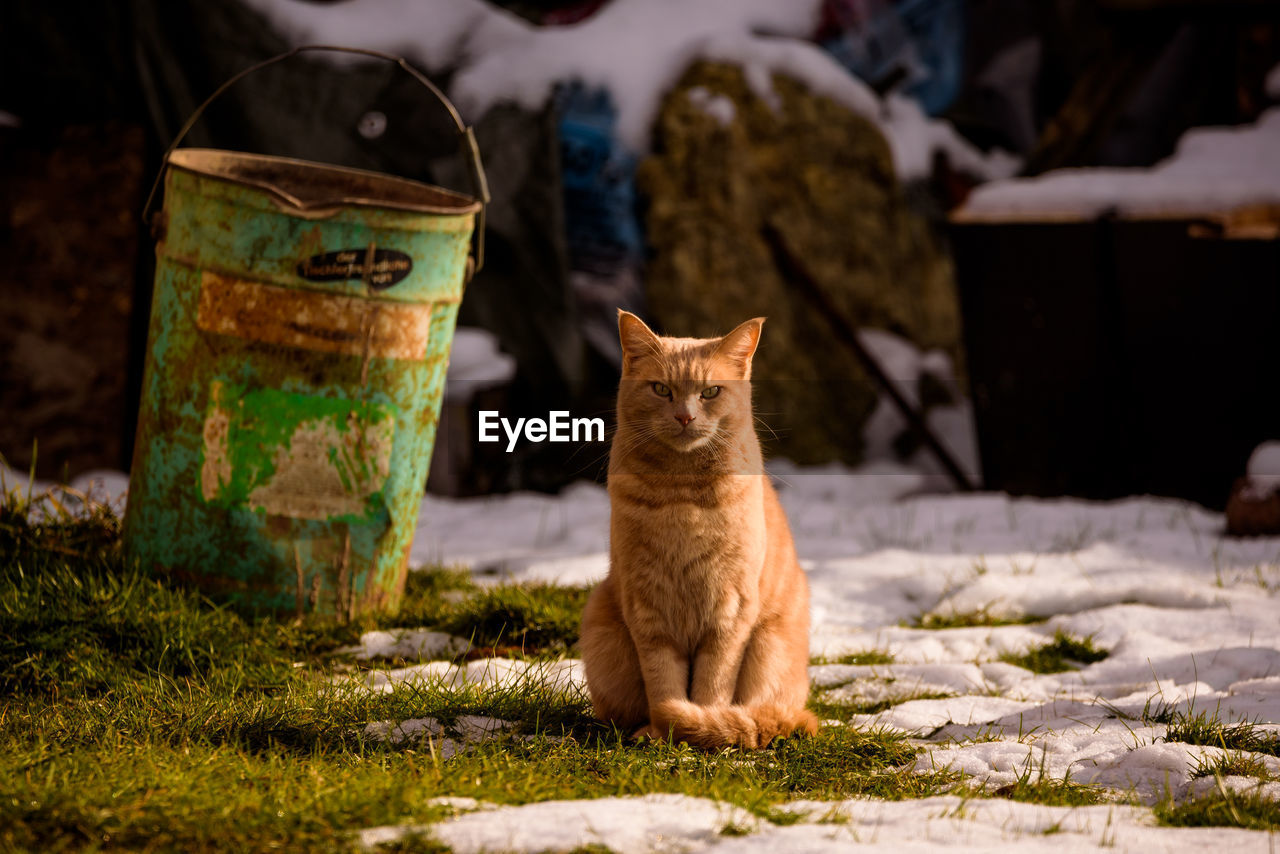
(684, 420)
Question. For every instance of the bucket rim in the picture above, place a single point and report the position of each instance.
(216, 163)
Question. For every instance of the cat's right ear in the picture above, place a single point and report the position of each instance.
(740, 345)
(637, 339)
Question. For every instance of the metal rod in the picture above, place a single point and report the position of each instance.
(845, 332)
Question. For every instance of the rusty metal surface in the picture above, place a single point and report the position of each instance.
(310, 320)
(290, 403)
(302, 187)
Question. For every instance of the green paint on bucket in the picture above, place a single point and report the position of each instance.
(298, 343)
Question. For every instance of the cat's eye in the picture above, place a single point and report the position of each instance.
(661, 390)
(708, 393)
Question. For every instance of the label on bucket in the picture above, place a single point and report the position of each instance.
(385, 268)
(312, 320)
(295, 455)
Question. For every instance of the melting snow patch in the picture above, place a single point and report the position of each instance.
(475, 364)
(953, 824)
(442, 742)
(487, 673)
(666, 823)
(465, 728)
(923, 717)
(623, 825)
(407, 644)
(500, 537)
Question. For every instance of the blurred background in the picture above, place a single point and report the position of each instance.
(1051, 228)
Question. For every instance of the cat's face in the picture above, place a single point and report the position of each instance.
(685, 393)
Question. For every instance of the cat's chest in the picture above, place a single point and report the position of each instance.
(698, 559)
(693, 523)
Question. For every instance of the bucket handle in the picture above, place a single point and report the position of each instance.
(466, 136)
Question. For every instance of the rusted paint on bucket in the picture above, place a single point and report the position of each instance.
(298, 342)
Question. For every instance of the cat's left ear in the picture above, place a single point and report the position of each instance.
(637, 339)
(740, 345)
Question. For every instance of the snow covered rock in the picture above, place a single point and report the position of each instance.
(1254, 506)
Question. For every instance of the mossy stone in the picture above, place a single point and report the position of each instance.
(821, 176)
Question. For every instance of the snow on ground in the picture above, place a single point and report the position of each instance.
(637, 49)
(475, 364)
(682, 823)
(1189, 615)
(565, 675)
(409, 644)
(101, 486)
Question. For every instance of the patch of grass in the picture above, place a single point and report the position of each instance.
(1232, 764)
(180, 764)
(834, 816)
(971, 619)
(75, 620)
(419, 843)
(1209, 729)
(513, 620)
(844, 762)
(1224, 808)
(781, 817)
(1154, 711)
(130, 787)
(967, 734)
(135, 794)
(1035, 786)
(866, 656)
(1161, 713)
(138, 715)
(1050, 791)
(59, 523)
(534, 617)
(735, 829)
(426, 588)
(1063, 653)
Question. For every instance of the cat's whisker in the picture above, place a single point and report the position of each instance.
(782, 480)
(599, 458)
(773, 434)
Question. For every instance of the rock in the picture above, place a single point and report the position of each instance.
(822, 177)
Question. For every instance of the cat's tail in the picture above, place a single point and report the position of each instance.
(722, 726)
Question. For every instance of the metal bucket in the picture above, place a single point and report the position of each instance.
(299, 336)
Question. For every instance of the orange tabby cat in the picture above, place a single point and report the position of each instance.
(701, 628)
